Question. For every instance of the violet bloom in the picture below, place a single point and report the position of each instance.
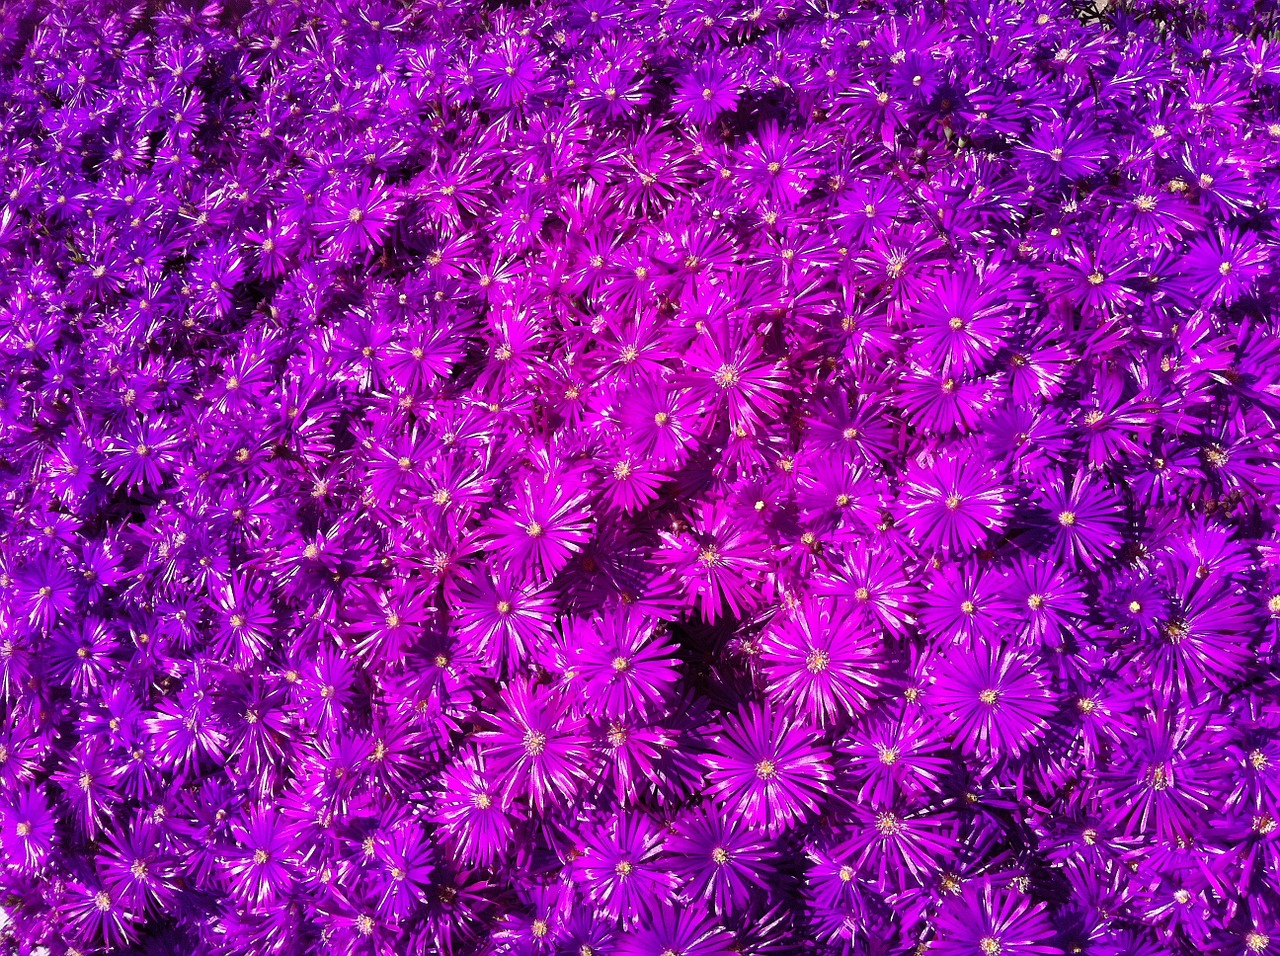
(954, 502)
(625, 666)
(679, 931)
(1225, 267)
(820, 662)
(720, 559)
(28, 832)
(1085, 521)
(891, 757)
(356, 218)
(501, 619)
(734, 379)
(720, 859)
(623, 868)
(767, 768)
(536, 746)
(469, 810)
(547, 527)
(961, 323)
(891, 844)
(997, 703)
(261, 869)
(986, 921)
(706, 93)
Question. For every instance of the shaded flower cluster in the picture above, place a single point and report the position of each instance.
(645, 478)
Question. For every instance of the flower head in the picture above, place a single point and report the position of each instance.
(767, 768)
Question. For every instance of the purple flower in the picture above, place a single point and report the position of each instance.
(705, 93)
(962, 322)
(890, 845)
(1224, 267)
(469, 810)
(356, 218)
(897, 756)
(501, 620)
(626, 668)
(1084, 521)
(679, 931)
(720, 559)
(405, 859)
(731, 376)
(28, 832)
(987, 920)
(536, 746)
(549, 525)
(623, 868)
(820, 662)
(98, 917)
(768, 769)
(720, 859)
(261, 871)
(996, 702)
(136, 869)
(953, 502)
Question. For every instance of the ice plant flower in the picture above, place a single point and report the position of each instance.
(767, 768)
(656, 479)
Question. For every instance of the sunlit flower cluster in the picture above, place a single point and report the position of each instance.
(639, 478)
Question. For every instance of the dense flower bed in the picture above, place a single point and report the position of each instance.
(621, 477)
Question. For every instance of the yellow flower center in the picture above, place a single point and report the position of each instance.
(726, 376)
(535, 742)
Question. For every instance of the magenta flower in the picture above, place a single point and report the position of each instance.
(954, 502)
(261, 870)
(28, 832)
(501, 621)
(821, 663)
(547, 527)
(470, 812)
(705, 93)
(626, 668)
(732, 377)
(356, 218)
(720, 560)
(987, 919)
(623, 868)
(767, 768)
(1084, 521)
(720, 859)
(962, 322)
(536, 747)
(680, 931)
(996, 702)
